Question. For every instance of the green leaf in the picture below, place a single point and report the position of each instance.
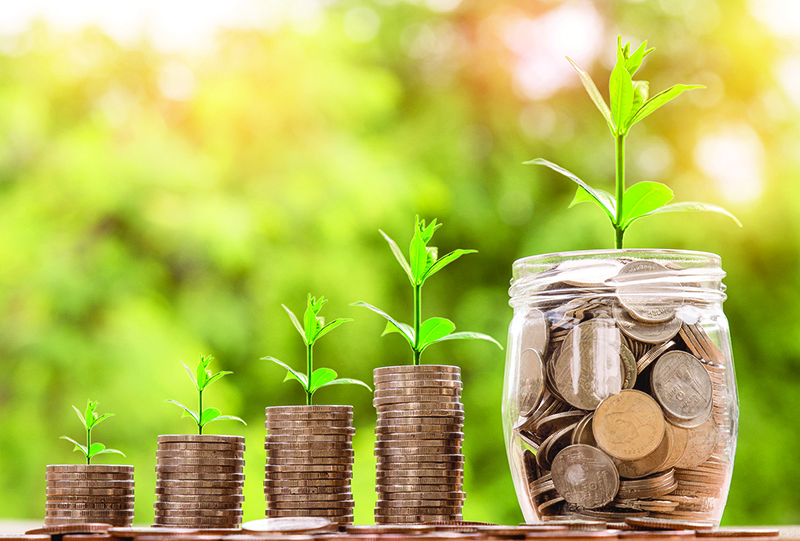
(80, 416)
(215, 377)
(642, 198)
(89, 415)
(434, 329)
(634, 61)
(651, 105)
(446, 260)
(426, 232)
(641, 90)
(208, 415)
(97, 420)
(689, 206)
(104, 451)
(186, 411)
(620, 96)
(601, 200)
(330, 326)
(95, 449)
(292, 374)
(402, 328)
(191, 375)
(78, 446)
(321, 377)
(202, 376)
(398, 254)
(310, 320)
(469, 336)
(296, 323)
(227, 418)
(418, 258)
(597, 98)
(346, 381)
(582, 196)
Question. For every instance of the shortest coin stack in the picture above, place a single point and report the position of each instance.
(309, 462)
(199, 480)
(89, 493)
(419, 436)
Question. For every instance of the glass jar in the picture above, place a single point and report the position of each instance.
(619, 396)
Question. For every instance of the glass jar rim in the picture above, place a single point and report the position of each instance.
(707, 258)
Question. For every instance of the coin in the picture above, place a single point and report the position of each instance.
(588, 373)
(402, 399)
(649, 464)
(701, 443)
(653, 354)
(96, 491)
(436, 461)
(423, 475)
(585, 476)
(667, 524)
(331, 466)
(420, 409)
(649, 333)
(640, 291)
(739, 532)
(683, 388)
(288, 525)
(300, 453)
(201, 475)
(278, 438)
(64, 529)
(196, 484)
(390, 385)
(535, 332)
(91, 484)
(447, 497)
(89, 469)
(204, 438)
(531, 381)
(418, 369)
(628, 425)
(420, 423)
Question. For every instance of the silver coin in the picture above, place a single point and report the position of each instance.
(585, 476)
(649, 333)
(531, 381)
(683, 388)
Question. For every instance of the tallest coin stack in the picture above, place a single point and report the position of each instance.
(419, 434)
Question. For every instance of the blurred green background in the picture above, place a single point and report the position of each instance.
(157, 202)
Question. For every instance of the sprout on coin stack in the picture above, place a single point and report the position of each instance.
(310, 448)
(90, 492)
(199, 477)
(420, 415)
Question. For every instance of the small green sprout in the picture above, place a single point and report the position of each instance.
(630, 103)
(203, 379)
(313, 329)
(89, 420)
(423, 262)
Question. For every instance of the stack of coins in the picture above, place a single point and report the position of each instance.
(309, 462)
(199, 480)
(89, 493)
(626, 404)
(419, 436)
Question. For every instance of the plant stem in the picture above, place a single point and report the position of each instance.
(88, 446)
(417, 321)
(619, 154)
(200, 411)
(309, 370)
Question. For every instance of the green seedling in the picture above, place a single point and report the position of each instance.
(630, 103)
(423, 262)
(89, 420)
(312, 329)
(203, 379)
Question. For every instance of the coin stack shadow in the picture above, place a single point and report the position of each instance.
(199, 480)
(419, 434)
(80, 493)
(309, 462)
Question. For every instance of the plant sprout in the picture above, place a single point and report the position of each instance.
(89, 420)
(423, 262)
(629, 104)
(313, 329)
(201, 380)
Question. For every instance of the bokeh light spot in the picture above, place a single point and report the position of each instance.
(733, 157)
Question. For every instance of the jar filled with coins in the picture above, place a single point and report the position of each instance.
(620, 397)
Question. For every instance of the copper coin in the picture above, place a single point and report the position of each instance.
(335, 515)
(628, 425)
(452, 497)
(280, 466)
(198, 485)
(307, 489)
(668, 524)
(700, 445)
(312, 504)
(90, 484)
(204, 438)
(585, 476)
(416, 451)
(89, 468)
(416, 383)
(196, 454)
(427, 423)
(202, 475)
(421, 407)
(79, 491)
(418, 369)
(64, 529)
(419, 440)
(278, 438)
(435, 461)
(739, 532)
(300, 416)
(88, 476)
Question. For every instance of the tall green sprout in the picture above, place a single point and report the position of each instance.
(89, 420)
(423, 262)
(629, 104)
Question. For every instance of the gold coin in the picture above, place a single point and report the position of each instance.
(628, 425)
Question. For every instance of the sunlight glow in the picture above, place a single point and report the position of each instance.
(574, 29)
(733, 157)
